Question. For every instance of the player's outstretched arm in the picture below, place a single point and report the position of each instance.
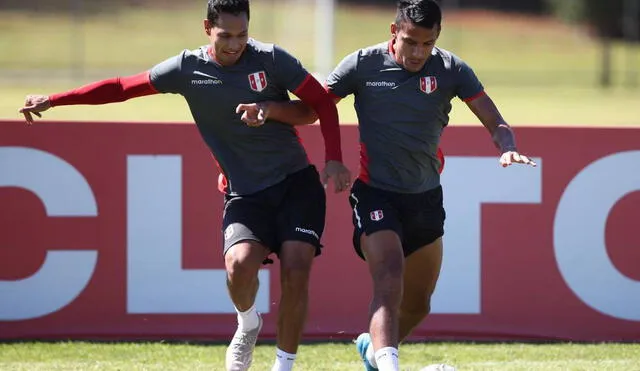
(112, 90)
(503, 137)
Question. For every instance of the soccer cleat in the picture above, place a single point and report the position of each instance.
(240, 351)
(362, 343)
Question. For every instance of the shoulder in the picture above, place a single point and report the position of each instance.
(195, 54)
(372, 55)
(181, 61)
(374, 51)
(267, 53)
(448, 60)
(260, 47)
(187, 57)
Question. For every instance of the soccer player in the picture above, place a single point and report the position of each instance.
(403, 90)
(274, 198)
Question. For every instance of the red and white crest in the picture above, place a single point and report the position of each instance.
(376, 215)
(428, 84)
(258, 81)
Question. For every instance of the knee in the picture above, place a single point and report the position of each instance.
(241, 268)
(387, 286)
(295, 270)
(417, 308)
(387, 274)
(294, 282)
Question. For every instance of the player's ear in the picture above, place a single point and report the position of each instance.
(207, 27)
(394, 30)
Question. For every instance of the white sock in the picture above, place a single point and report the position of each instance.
(371, 355)
(387, 359)
(248, 320)
(284, 361)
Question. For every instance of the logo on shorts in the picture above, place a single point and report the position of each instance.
(258, 81)
(308, 231)
(228, 233)
(428, 84)
(376, 215)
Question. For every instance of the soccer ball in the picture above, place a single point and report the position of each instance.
(440, 367)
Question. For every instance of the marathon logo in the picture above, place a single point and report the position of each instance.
(206, 82)
(308, 231)
(380, 84)
(206, 79)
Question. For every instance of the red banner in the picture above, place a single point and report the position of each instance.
(112, 231)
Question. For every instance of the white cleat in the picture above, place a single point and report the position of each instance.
(240, 350)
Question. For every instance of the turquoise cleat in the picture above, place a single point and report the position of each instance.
(362, 343)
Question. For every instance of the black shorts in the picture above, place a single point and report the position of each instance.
(418, 218)
(292, 210)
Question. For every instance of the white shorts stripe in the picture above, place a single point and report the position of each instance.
(355, 210)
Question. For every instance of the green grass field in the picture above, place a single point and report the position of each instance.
(76, 356)
(539, 71)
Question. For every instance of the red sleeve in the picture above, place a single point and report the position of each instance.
(314, 95)
(332, 95)
(440, 156)
(474, 97)
(117, 89)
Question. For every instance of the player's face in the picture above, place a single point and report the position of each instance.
(413, 44)
(228, 38)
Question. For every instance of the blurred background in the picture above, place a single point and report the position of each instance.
(546, 62)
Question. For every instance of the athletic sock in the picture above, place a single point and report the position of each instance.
(284, 361)
(248, 320)
(387, 359)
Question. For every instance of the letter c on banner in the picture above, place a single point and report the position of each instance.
(64, 274)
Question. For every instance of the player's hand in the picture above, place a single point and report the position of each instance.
(34, 104)
(513, 157)
(253, 114)
(339, 173)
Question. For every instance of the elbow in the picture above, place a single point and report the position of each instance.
(311, 118)
(324, 110)
(306, 117)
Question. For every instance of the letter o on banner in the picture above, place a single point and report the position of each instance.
(579, 235)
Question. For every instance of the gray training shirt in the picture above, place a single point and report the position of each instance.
(251, 158)
(401, 114)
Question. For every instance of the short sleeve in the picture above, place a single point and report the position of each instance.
(289, 72)
(467, 83)
(166, 77)
(342, 81)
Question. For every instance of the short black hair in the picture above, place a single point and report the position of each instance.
(235, 7)
(423, 13)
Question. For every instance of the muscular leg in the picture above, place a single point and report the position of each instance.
(296, 258)
(383, 252)
(421, 272)
(242, 261)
